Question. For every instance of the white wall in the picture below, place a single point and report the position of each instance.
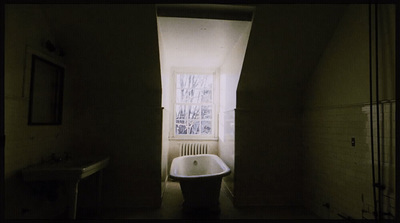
(285, 44)
(229, 78)
(26, 25)
(165, 95)
(230, 71)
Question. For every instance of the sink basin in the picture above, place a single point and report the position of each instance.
(69, 170)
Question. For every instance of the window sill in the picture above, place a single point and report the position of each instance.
(192, 139)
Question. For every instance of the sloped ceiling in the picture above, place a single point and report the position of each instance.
(285, 43)
(92, 31)
(198, 43)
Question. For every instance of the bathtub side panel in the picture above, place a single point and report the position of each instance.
(202, 193)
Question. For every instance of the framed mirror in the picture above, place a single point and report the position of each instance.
(46, 92)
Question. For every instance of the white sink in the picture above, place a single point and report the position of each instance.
(70, 170)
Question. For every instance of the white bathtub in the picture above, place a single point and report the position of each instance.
(200, 179)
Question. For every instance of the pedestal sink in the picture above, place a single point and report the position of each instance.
(71, 171)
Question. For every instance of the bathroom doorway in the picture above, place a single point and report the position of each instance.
(201, 44)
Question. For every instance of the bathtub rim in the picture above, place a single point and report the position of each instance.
(226, 170)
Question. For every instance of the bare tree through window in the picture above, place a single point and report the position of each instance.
(194, 99)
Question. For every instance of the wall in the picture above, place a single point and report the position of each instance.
(166, 115)
(282, 50)
(26, 25)
(118, 96)
(165, 150)
(112, 102)
(229, 77)
(122, 117)
(268, 157)
(337, 109)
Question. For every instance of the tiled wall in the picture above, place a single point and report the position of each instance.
(268, 115)
(340, 174)
(336, 109)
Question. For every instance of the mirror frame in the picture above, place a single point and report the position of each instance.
(50, 106)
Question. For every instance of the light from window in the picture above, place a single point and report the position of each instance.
(194, 104)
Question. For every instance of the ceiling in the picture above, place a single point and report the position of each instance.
(285, 43)
(200, 43)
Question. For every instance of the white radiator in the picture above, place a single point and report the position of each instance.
(193, 149)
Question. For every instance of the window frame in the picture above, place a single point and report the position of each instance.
(215, 101)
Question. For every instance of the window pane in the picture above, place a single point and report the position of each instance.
(208, 82)
(180, 127)
(194, 127)
(194, 81)
(188, 96)
(193, 112)
(194, 96)
(202, 81)
(182, 81)
(206, 112)
(180, 96)
(206, 127)
(181, 112)
(206, 96)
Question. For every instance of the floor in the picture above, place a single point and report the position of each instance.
(171, 208)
